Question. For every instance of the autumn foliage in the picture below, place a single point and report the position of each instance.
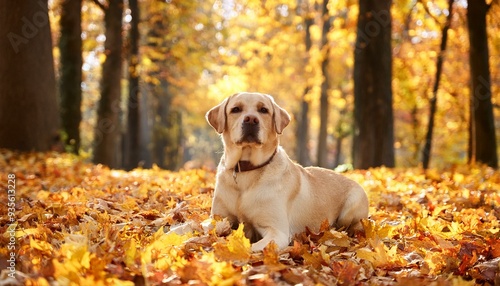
(83, 224)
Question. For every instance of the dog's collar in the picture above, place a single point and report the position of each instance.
(245, 166)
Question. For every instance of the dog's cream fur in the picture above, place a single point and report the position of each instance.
(280, 198)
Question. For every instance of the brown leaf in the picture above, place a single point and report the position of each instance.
(293, 276)
(345, 271)
(487, 271)
(197, 243)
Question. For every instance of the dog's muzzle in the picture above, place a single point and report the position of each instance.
(250, 132)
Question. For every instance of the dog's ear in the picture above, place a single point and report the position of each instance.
(281, 118)
(216, 116)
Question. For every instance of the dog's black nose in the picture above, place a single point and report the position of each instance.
(251, 120)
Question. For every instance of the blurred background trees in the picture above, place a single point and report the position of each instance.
(359, 78)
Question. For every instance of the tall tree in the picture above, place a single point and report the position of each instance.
(426, 153)
(322, 154)
(302, 150)
(158, 81)
(482, 140)
(70, 46)
(28, 104)
(107, 128)
(132, 140)
(373, 143)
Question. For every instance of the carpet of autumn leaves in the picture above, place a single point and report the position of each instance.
(83, 224)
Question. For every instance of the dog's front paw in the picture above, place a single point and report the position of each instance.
(261, 244)
(258, 246)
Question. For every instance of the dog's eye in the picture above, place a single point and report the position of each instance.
(235, 110)
(263, 110)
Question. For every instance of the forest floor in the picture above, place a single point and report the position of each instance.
(75, 223)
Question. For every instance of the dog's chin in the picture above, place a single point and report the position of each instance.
(249, 142)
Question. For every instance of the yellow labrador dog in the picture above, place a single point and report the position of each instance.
(258, 185)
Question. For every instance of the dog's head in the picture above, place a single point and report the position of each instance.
(248, 119)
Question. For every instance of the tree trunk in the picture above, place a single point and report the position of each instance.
(167, 137)
(338, 151)
(173, 148)
(426, 153)
(106, 142)
(70, 46)
(28, 105)
(482, 140)
(303, 131)
(373, 142)
(161, 125)
(303, 122)
(341, 133)
(132, 152)
(146, 126)
(322, 155)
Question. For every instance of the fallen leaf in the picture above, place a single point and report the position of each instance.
(235, 248)
(85, 224)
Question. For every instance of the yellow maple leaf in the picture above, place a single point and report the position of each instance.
(366, 254)
(164, 251)
(381, 255)
(235, 248)
(271, 254)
